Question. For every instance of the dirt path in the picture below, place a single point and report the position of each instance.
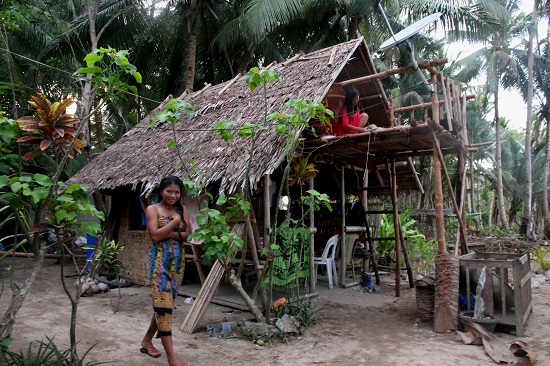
(353, 328)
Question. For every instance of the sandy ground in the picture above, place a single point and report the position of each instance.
(352, 328)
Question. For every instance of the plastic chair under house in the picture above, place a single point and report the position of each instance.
(327, 259)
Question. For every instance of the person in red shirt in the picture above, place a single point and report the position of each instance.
(350, 120)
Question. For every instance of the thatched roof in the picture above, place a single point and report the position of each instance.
(141, 158)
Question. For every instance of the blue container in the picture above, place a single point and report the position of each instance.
(91, 241)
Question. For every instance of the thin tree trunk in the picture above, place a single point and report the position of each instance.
(498, 158)
(491, 209)
(98, 129)
(526, 227)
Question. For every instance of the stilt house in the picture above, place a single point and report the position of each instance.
(133, 166)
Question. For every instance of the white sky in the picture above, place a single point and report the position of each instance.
(511, 105)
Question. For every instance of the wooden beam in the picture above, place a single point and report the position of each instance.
(382, 75)
(414, 107)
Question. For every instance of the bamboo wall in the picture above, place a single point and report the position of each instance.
(136, 252)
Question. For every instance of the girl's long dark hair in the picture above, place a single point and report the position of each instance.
(350, 94)
(165, 182)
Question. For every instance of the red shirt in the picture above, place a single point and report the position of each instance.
(339, 126)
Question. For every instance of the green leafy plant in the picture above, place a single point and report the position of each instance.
(215, 232)
(260, 338)
(303, 309)
(386, 229)
(46, 354)
(106, 259)
(541, 255)
(107, 66)
(422, 255)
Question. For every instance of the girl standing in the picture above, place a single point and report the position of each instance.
(168, 226)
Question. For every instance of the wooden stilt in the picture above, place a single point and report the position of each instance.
(464, 245)
(405, 251)
(364, 206)
(343, 262)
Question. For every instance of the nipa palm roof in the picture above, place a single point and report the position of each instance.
(141, 158)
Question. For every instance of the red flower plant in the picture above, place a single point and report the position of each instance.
(52, 127)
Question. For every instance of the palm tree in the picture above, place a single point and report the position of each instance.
(542, 80)
(527, 227)
(501, 63)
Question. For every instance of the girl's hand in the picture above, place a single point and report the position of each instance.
(176, 218)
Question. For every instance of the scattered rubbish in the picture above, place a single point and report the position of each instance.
(221, 330)
(189, 300)
(366, 280)
(496, 348)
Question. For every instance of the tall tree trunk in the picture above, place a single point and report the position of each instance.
(190, 63)
(353, 27)
(498, 159)
(545, 215)
(526, 227)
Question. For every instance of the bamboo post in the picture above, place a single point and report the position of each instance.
(393, 185)
(364, 207)
(342, 274)
(464, 122)
(392, 112)
(447, 106)
(447, 90)
(405, 251)
(459, 117)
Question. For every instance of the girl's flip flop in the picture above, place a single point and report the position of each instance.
(153, 352)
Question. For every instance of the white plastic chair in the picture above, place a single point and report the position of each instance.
(327, 259)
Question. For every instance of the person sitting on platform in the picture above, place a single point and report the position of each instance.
(350, 121)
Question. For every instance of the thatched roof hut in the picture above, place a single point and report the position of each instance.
(141, 157)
